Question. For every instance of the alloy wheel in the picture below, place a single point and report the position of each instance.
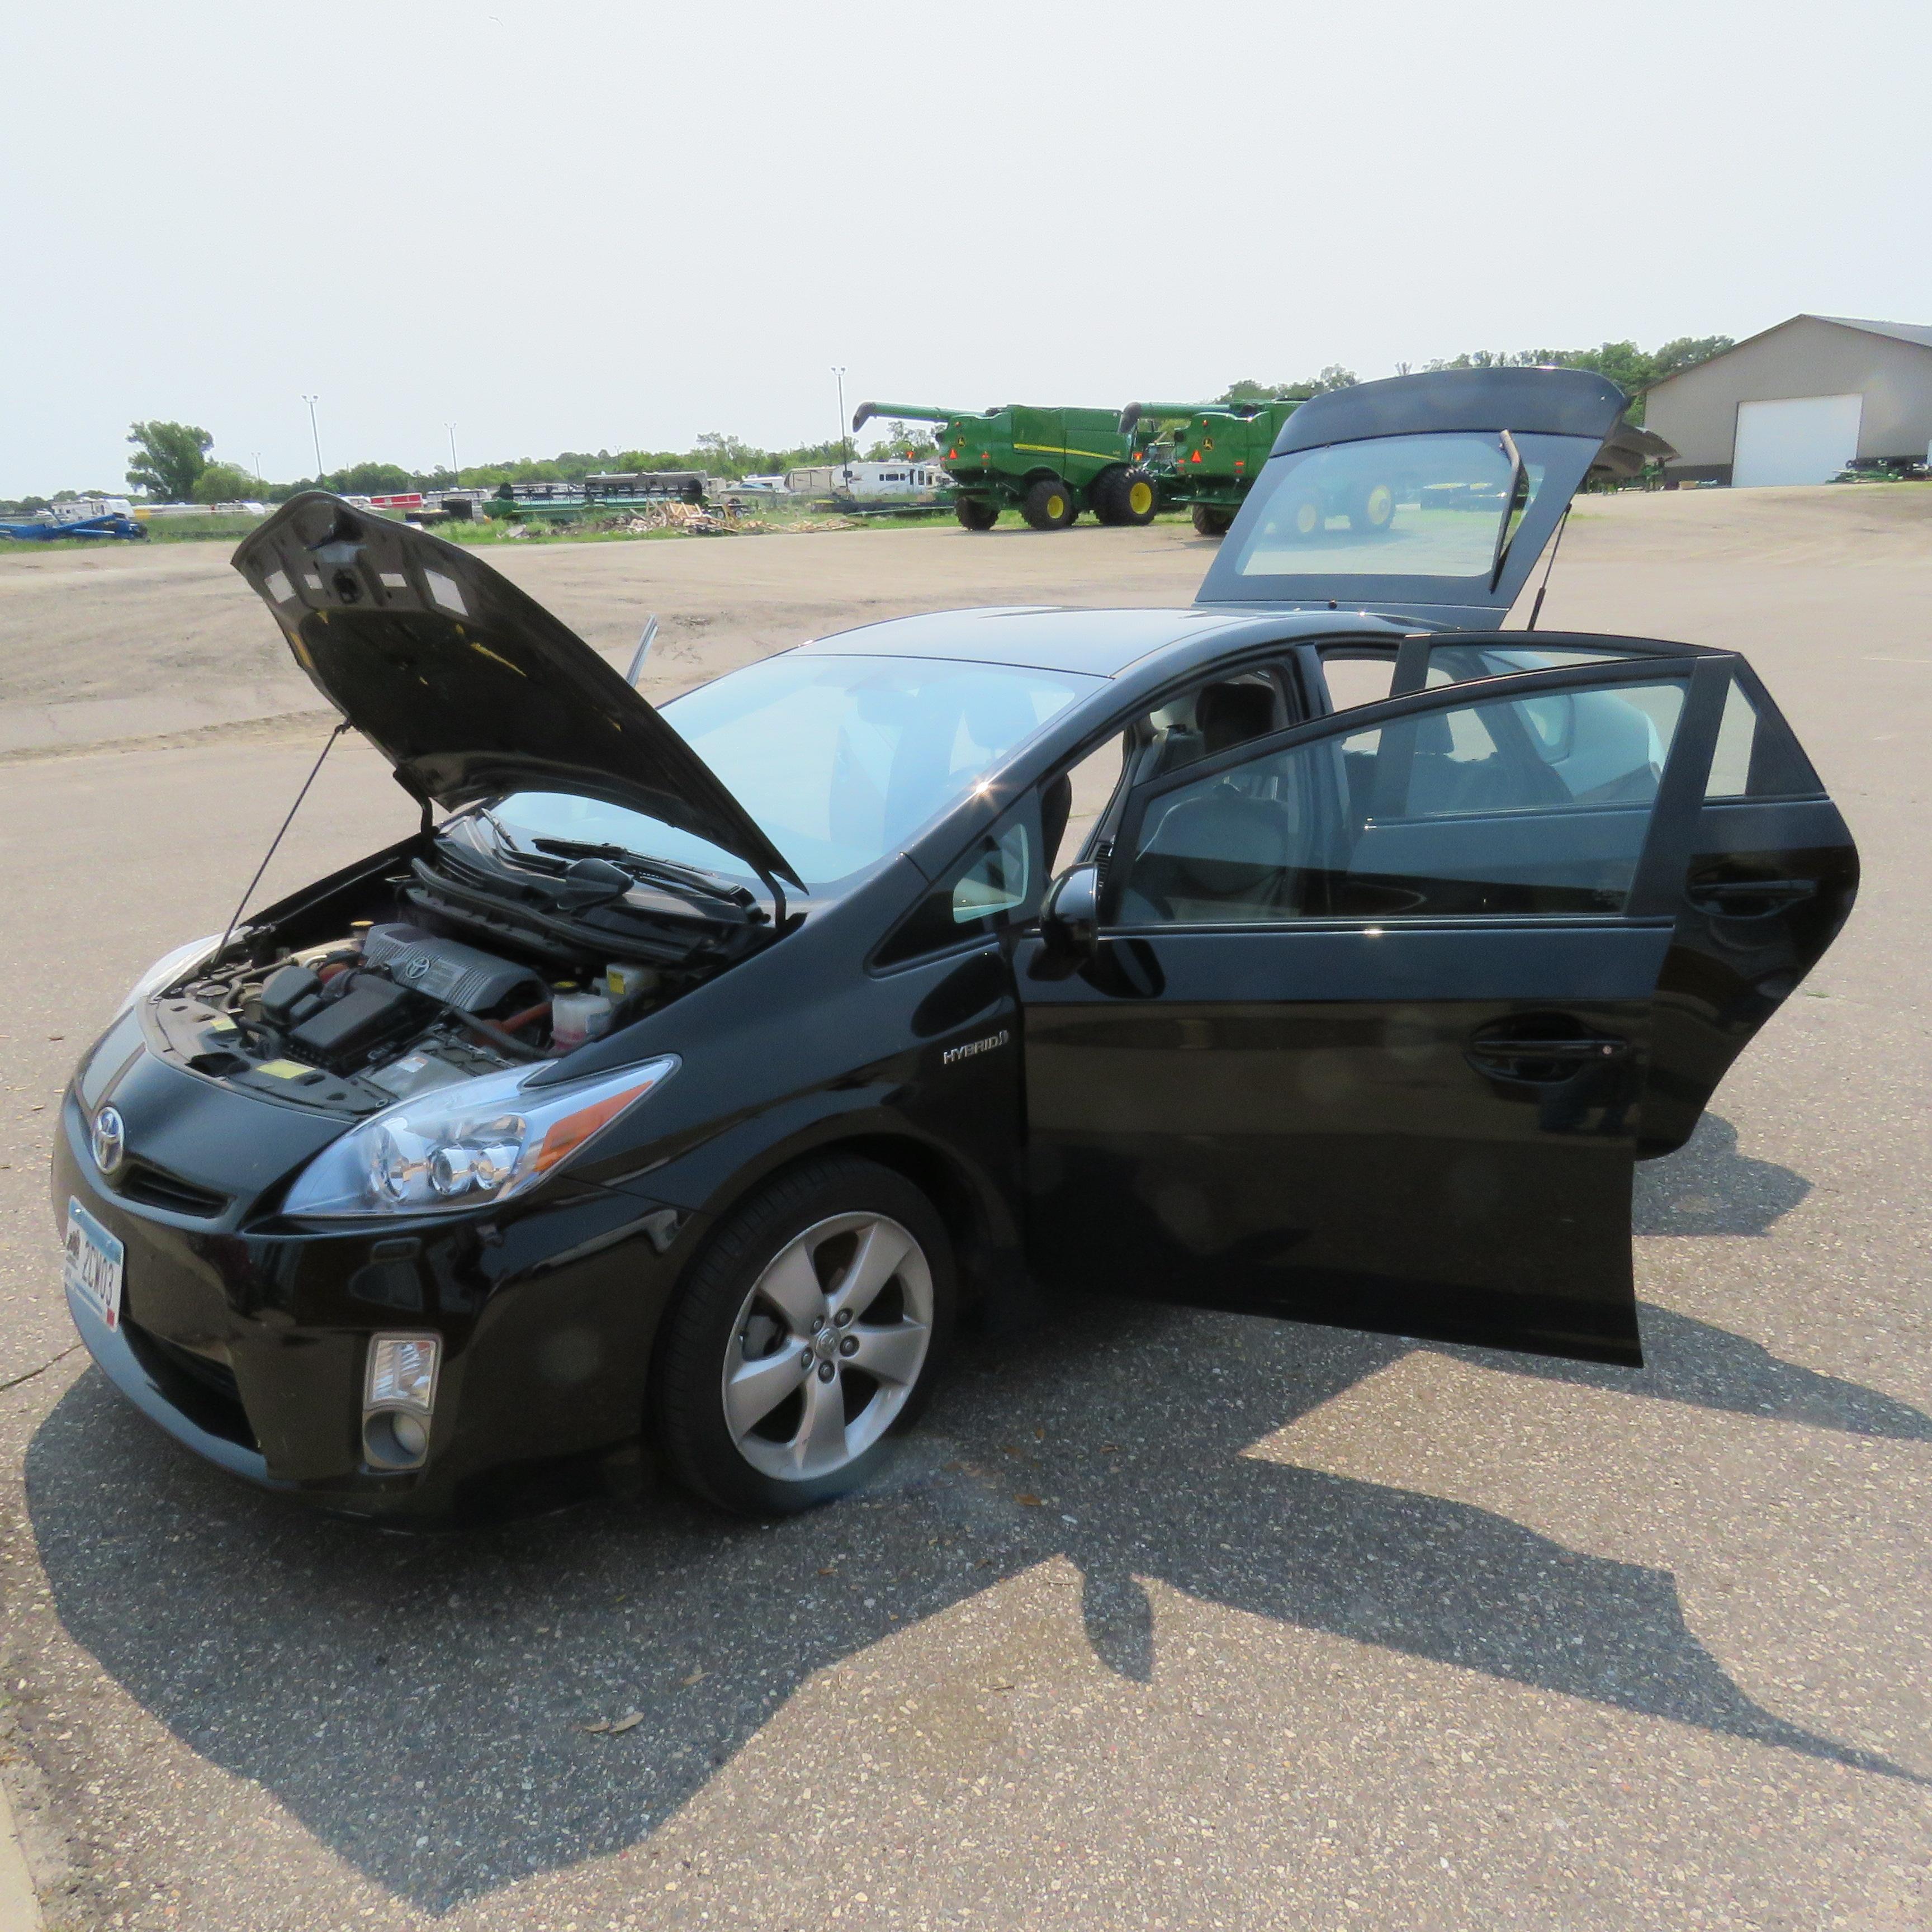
(828, 1346)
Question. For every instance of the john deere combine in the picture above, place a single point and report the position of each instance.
(1048, 464)
(1217, 451)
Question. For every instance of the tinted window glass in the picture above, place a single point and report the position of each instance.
(995, 886)
(1396, 506)
(1511, 806)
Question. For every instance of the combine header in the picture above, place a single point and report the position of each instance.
(1049, 464)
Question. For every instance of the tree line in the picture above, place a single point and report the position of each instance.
(173, 463)
(1632, 369)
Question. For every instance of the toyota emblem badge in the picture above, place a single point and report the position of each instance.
(109, 1139)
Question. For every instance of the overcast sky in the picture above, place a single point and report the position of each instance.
(616, 226)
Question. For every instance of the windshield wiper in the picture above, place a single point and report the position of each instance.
(663, 871)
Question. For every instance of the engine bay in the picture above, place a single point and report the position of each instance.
(388, 1011)
(388, 1008)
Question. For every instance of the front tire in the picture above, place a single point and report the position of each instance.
(1126, 497)
(813, 1327)
(1049, 505)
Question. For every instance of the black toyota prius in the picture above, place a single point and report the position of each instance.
(1320, 949)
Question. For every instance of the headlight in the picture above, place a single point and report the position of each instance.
(171, 966)
(459, 1147)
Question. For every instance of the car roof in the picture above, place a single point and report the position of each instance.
(1097, 642)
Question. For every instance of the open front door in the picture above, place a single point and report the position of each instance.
(1366, 1038)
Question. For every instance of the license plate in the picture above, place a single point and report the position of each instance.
(92, 1267)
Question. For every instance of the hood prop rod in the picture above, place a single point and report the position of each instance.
(636, 669)
(328, 745)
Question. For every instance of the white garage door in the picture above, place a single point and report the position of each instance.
(1802, 439)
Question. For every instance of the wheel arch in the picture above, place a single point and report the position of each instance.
(985, 1235)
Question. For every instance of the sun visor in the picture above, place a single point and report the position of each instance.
(468, 687)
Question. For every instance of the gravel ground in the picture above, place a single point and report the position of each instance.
(1163, 1618)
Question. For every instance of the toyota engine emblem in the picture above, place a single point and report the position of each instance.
(109, 1139)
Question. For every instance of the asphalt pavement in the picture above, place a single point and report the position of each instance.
(1163, 1618)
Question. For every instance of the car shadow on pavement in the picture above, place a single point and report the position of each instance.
(1707, 1187)
(416, 1703)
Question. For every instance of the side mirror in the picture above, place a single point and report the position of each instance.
(1070, 916)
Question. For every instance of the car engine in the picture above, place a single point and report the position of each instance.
(390, 1010)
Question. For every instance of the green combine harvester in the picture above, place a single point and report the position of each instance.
(1048, 464)
(1218, 451)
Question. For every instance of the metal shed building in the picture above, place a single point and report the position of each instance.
(1798, 402)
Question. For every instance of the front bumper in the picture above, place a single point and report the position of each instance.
(250, 1347)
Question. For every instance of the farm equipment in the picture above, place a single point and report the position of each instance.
(114, 524)
(1048, 463)
(1218, 451)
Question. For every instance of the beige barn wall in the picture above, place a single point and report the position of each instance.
(1697, 412)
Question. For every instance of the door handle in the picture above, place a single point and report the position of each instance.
(1749, 899)
(1545, 1062)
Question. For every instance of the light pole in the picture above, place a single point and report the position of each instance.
(255, 456)
(455, 474)
(316, 435)
(846, 473)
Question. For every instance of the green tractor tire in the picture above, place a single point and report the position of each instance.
(1212, 519)
(976, 513)
(1049, 505)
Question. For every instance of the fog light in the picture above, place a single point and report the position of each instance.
(398, 1398)
(411, 1432)
(402, 1371)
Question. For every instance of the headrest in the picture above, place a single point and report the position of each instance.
(1229, 714)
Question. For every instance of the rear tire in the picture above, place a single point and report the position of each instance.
(976, 513)
(1372, 509)
(1049, 505)
(812, 1328)
(1306, 519)
(1211, 520)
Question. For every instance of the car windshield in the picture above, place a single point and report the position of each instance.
(1391, 506)
(839, 759)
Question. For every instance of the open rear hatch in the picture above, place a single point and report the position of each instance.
(1429, 497)
(470, 689)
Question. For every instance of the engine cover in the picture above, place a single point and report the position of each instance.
(471, 981)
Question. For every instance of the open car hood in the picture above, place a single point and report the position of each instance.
(468, 687)
(1426, 496)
